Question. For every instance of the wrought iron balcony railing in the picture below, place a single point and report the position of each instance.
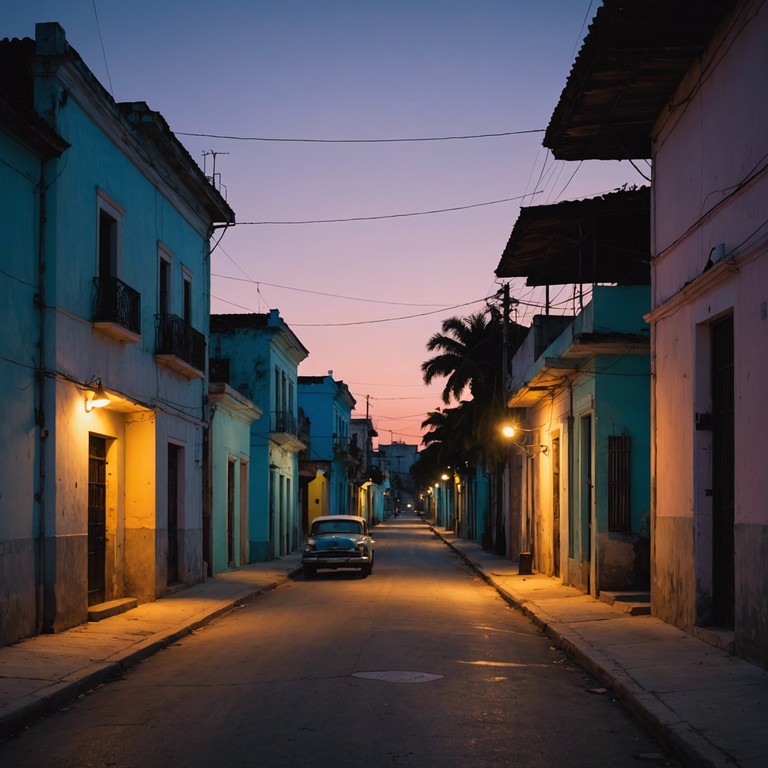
(117, 303)
(177, 339)
(284, 421)
(346, 446)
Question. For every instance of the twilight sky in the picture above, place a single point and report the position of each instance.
(363, 296)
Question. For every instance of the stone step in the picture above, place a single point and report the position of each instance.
(111, 608)
(633, 603)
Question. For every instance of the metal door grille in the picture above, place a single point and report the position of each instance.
(619, 483)
(97, 518)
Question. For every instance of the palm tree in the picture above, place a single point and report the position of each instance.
(470, 358)
(469, 355)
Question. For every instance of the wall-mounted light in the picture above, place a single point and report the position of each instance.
(508, 430)
(95, 398)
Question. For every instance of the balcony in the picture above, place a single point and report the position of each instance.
(284, 429)
(179, 346)
(117, 310)
(346, 449)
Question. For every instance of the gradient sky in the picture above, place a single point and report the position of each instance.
(354, 69)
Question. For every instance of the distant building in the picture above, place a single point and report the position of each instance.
(334, 454)
(258, 356)
(370, 497)
(396, 459)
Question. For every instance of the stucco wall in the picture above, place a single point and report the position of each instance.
(19, 220)
(230, 436)
(708, 190)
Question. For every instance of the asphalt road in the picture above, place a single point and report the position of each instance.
(421, 664)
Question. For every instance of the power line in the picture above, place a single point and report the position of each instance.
(362, 322)
(103, 50)
(321, 293)
(386, 319)
(360, 141)
(391, 215)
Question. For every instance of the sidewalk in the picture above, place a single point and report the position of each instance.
(41, 674)
(708, 707)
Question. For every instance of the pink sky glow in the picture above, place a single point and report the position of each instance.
(363, 296)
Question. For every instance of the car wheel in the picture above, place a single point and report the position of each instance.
(366, 570)
(310, 572)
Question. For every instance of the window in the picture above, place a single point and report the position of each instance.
(619, 485)
(187, 298)
(164, 282)
(109, 237)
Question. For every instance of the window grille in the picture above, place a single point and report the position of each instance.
(619, 482)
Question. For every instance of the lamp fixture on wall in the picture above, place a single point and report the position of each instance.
(95, 398)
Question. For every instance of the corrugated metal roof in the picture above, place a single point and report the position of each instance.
(633, 58)
(598, 240)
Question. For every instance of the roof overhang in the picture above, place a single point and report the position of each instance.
(597, 240)
(633, 58)
(550, 373)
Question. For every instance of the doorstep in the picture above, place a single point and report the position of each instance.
(633, 603)
(111, 608)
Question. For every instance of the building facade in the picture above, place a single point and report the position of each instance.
(334, 453)
(258, 355)
(121, 292)
(228, 458)
(583, 408)
(697, 112)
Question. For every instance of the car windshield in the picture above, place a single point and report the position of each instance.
(337, 526)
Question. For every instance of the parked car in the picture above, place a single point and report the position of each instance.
(338, 541)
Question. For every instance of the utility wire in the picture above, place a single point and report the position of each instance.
(321, 293)
(360, 141)
(391, 215)
(361, 322)
(103, 50)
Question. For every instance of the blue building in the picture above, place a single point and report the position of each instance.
(258, 355)
(579, 388)
(107, 267)
(228, 459)
(333, 454)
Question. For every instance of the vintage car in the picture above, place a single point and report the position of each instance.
(338, 541)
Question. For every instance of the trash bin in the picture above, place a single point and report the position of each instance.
(525, 564)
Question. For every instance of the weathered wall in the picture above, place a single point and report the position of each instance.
(706, 192)
(19, 513)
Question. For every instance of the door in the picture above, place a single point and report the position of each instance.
(231, 514)
(586, 497)
(173, 513)
(556, 506)
(723, 555)
(97, 517)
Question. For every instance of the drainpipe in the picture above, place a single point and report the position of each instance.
(44, 617)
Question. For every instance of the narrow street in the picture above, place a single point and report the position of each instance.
(421, 664)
